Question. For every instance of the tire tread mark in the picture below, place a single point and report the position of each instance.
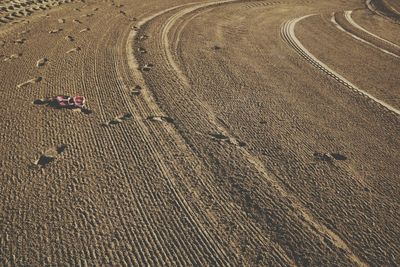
(287, 33)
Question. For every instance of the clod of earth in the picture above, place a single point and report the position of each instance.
(329, 157)
(142, 50)
(31, 81)
(147, 67)
(219, 136)
(42, 101)
(119, 119)
(76, 49)
(50, 155)
(13, 56)
(20, 41)
(161, 119)
(69, 38)
(41, 62)
(143, 37)
(55, 31)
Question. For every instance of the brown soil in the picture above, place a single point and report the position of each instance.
(213, 138)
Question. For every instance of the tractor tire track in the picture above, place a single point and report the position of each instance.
(206, 244)
(307, 219)
(152, 190)
(383, 13)
(121, 90)
(337, 25)
(151, 107)
(356, 25)
(287, 33)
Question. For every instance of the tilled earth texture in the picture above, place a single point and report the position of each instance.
(215, 133)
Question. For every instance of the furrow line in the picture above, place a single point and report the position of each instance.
(182, 83)
(155, 131)
(142, 206)
(304, 214)
(207, 185)
(159, 161)
(100, 96)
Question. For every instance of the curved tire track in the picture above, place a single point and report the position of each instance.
(348, 17)
(308, 221)
(337, 25)
(150, 106)
(287, 33)
(373, 8)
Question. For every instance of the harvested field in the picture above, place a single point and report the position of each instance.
(213, 133)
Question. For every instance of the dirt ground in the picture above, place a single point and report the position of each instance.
(215, 133)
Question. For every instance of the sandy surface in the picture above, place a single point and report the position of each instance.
(242, 133)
